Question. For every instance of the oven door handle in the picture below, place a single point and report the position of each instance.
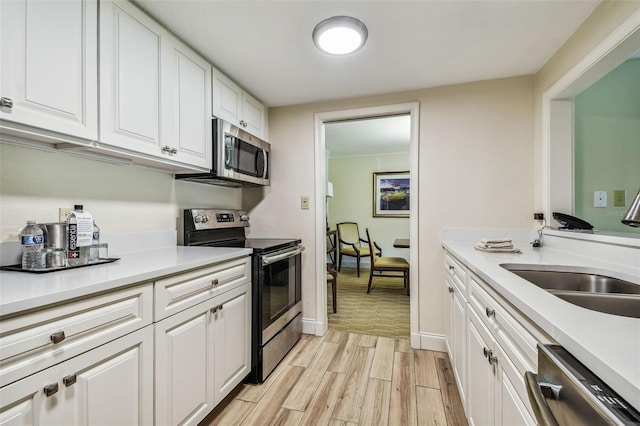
(544, 416)
(281, 255)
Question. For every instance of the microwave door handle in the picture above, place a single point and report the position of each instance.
(266, 164)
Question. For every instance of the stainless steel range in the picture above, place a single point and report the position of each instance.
(276, 282)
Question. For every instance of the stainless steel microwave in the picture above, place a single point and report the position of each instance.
(239, 158)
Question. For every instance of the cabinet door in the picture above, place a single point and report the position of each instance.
(459, 339)
(448, 316)
(227, 98)
(252, 116)
(481, 379)
(49, 65)
(186, 108)
(232, 322)
(109, 385)
(184, 388)
(130, 63)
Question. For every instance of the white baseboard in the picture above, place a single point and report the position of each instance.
(310, 326)
(429, 341)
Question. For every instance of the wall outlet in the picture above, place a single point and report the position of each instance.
(619, 198)
(304, 203)
(63, 214)
(538, 216)
(599, 198)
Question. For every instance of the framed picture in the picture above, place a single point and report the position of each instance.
(391, 196)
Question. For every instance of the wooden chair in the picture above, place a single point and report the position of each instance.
(349, 238)
(332, 274)
(383, 265)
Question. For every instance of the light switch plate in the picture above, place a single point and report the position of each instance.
(63, 214)
(304, 203)
(599, 198)
(619, 198)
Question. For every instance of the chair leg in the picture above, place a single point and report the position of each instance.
(370, 279)
(358, 265)
(334, 284)
(339, 261)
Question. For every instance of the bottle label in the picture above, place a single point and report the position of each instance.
(73, 251)
(96, 236)
(31, 239)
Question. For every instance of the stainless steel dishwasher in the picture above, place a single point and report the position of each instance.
(565, 392)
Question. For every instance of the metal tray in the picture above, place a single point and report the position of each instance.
(18, 268)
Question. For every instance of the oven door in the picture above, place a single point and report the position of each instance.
(280, 289)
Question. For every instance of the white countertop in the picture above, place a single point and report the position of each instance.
(21, 291)
(609, 345)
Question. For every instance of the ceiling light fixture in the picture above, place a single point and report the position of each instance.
(340, 35)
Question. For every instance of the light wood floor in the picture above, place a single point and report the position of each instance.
(349, 379)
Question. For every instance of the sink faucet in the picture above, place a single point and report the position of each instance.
(632, 218)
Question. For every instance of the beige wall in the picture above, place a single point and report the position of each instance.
(122, 198)
(476, 170)
(352, 179)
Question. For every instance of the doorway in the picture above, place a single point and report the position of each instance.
(412, 109)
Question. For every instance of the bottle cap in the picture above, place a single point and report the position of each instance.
(78, 206)
(31, 222)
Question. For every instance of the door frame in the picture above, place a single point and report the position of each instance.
(413, 109)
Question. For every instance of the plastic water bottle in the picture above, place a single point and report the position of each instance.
(32, 240)
(76, 255)
(94, 250)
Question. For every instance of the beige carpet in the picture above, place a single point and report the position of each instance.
(383, 312)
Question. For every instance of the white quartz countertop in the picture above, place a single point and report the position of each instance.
(20, 291)
(608, 345)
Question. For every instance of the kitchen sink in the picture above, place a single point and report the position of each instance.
(589, 290)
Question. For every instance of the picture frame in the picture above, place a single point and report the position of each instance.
(391, 194)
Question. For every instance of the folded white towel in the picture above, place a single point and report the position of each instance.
(481, 247)
(495, 240)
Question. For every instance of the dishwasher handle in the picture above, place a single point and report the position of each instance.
(281, 255)
(544, 416)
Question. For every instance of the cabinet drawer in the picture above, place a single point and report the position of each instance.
(517, 342)
(37, 340)
(182, 291)
(457, 273)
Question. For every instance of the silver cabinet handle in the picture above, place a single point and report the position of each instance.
(538, 404)
(215, 282)
(57, 337)
(486, 352)
(166, 148)
(214, 309)
(451, 267)
(220, 307)
(490, 358)
(451, 290)
(51, 389)
(6, 103)
(69, 380)
(490, 312)
(173, 151)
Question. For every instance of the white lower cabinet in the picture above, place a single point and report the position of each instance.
(499, 345)
(202, 353)
(109, 385)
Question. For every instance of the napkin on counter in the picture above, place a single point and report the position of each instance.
(496, 245)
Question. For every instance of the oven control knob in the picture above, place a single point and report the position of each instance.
(201, 218)
(205, 218)
(244, 218)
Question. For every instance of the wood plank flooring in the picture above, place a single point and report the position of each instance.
(349, 379)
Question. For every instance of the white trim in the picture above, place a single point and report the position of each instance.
(413, 108)
(612, 51)
(310, 326)
(430, 342)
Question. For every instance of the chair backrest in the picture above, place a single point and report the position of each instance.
(372, 248)
(348, 232)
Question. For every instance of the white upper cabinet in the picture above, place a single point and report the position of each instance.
(155, 92)
(129, 78)
(186, 108)
(238, 107)
(49, 65)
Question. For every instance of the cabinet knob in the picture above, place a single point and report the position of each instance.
(490, 312)
(173, 151)
(69, 380)
(486, 352)
(215, 282)
(214, 309)
(451, 290)
(57, 337)
(166, 148)
(6, 103)
(451, 267)
(492, 359)
(51, 389)
(220, 307)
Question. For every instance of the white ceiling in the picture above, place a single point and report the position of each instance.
(266, 46)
